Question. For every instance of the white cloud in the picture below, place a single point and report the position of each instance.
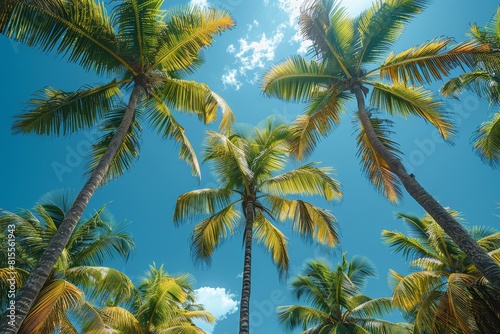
(254, 54)
(239, 275)
(199, 3)
(231, 48)
(229, 78)
(217, 301)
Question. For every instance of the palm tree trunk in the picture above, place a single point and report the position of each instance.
(38, 277)
(483, 262)
(247, 270)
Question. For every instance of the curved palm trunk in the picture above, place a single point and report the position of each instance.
(38, 277)
(483, 262)
(247, 271)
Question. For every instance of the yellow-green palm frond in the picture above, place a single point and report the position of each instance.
(229, 160)
(382, 24)
(412, 289)
(80, 30)
(487, 141)
(370, 308)
(297, 79)
(399, 99)
(202, 315)
(201, 202)
(482, 83)
(490, 33)
(305, 180)
(121, 320)
(190, 96)
(374, 166)
(211, 232)
(57, 112)
(432, 60)
(486, 237)
(268, 150)
(128, 150)
(86, 318)
(460, 301)
(186, 33)
(328, 26)
(322, 114)
(425, 312)
(273, 240)
(439, 241)
(311, 222)
(55, 298)
(228, 118)
(160, 117)
(102, 283)
(297, 316)
(411, 248)
(137, 24)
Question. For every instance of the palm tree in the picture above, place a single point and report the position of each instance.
(347, 54)
(144, 52)
(245, 167)
(484, 81)
(78, 281)
(336, 302)
(165, 304)
(445, 293)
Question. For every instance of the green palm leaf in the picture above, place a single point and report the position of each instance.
(372, 308)
(480, 82)
(55, 111)
(79, 29)
(411, 289)
(373, 165)
(273, 240)
(127, 153)
(294, 316)
(305, 180)
(382, 24)
(410, 247)
(121, 319)
(200, 202)
(432, 60)
(186, 33)
(407, 100)
(487, 141)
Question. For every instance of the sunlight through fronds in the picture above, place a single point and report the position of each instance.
(487, 141)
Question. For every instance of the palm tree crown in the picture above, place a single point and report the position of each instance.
(348, 52)
(79, 282)
(252, 194)
(336, 302)
(445, 293)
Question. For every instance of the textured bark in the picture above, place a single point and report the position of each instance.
(247, 270)
(37, 278)
(483, 262)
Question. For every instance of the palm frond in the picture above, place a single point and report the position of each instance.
(201, 202)
(122, 320)
(186, 33)
(161, 118)
(482, 83)
(374, 166)
(433, 60)
(487, 141)
(273, 240)
(228, 118)
(311, 222)
(410, 290)
(80, 30)
(328, 26)
(407, 100)
(127, 153)
(53, 111)
(411, 248)
(55, 298)
(297, 316)
(382, 24)
(305, 180)
(297, 79)
(210, 233)
(372, 308)
(138, 24)
(322, 114)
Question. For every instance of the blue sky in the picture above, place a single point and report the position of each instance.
(265, 34)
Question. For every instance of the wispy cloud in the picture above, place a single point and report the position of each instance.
(217, 301)
(229, 78)
(199, 3)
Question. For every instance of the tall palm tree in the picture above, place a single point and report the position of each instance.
(484, 81)
(78, 282)
(348, 52)
(245, 166)
(144, 52)
(336, 302)
(445, 293)
(165, 304)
